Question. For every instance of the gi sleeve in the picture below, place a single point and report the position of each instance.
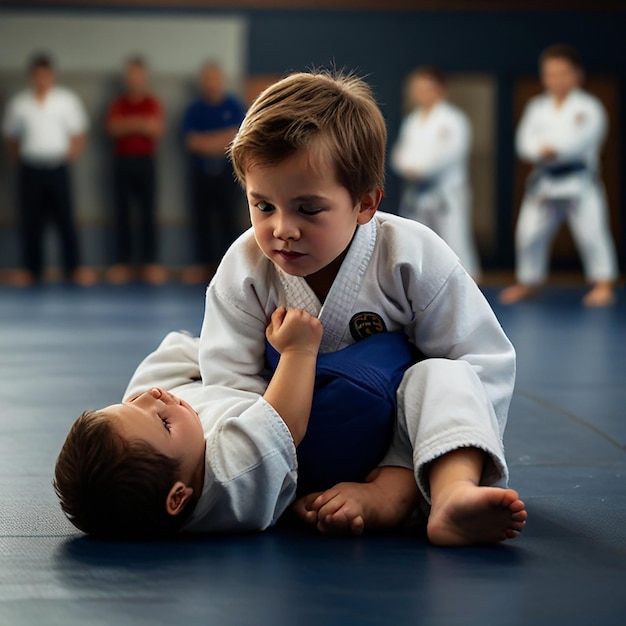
(588, 128)
(251, 472)
(530, 138)
(173, 364)
(459, 324)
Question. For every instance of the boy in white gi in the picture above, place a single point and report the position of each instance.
(153, 465)
(119, 474)
(310, 154)
(561, 133)
(431, 156)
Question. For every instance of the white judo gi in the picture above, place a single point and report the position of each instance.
(250, 473)
(568, 188)
(398, 276)
(436, 146)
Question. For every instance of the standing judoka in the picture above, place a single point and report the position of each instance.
(561, 133)
(431, 156)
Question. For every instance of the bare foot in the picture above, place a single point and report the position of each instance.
(601, 295)
(119, 274)
(22, 278)
(303, 509)
(350, 508)
(84, 277)
(196, 275)
(517, 293)
(465, 514)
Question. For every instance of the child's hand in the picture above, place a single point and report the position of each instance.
(294, 331)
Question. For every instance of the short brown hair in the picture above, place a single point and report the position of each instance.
(335, 108)
(562, 51)
(112, 488)
(431, 72)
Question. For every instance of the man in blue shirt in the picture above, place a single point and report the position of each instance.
(209, 125)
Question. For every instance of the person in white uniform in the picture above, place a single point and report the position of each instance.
(45, 128)
(310, 153)
(227, 460)
(179, 456)
(561, 133)
(431, 156)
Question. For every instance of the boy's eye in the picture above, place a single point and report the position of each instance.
(264, 207)
(309, 210)
(166, 424)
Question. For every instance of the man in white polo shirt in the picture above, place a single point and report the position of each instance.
(45, 128)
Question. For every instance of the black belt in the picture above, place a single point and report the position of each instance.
(556, 171)
(424, 185)
(562, 169)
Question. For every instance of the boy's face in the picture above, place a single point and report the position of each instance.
(42, 78)
(559, 76)
(303, 218)
(165, 422)
(136, 78)
(426, 92)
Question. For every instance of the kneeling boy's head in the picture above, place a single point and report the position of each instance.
(311, 156)
(306, 109)
(132, 470)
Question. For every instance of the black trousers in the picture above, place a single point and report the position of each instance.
(44, 196)
(135, 183)
(215, 205)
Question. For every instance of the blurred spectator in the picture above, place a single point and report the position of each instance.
(135, 122)
(431, 156)
(45, 129)
(561, 133)
(209, 125)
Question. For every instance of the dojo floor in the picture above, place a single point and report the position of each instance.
(63, 350)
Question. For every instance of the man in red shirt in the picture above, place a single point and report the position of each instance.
(135, 121)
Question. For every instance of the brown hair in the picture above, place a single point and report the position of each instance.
(428, 71)
(336, 109)
(112, 488)
(562, 51)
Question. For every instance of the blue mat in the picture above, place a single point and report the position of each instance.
(63, 350)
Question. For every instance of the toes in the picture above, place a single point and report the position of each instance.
(516, 506)
(357, 525)
(341, 523)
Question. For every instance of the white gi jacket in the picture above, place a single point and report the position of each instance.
(409, 279)
(575, 131)
(250, 473)
(436, 147)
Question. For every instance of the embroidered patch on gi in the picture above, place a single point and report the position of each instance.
(366, 324)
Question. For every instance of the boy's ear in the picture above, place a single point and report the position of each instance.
(177, 498)
(368, 206)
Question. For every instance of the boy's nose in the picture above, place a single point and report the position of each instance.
(286, 229)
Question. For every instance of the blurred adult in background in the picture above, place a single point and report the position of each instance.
(561, 133)
(209, 125)
(45, 129)
(135, 121)
(431, 156)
